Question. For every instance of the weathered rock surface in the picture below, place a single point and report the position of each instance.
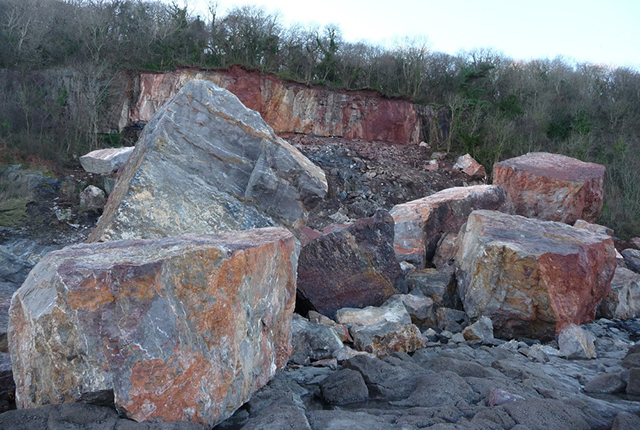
(552, 187)
(385, 338)
(312, 341)
(596, 228)
(80, 416)
(574, 342)
(295, 108)
(92, 198)
(532, 277)
(480, 330)
(419, 224)
(438, 285)
(353, 266)
(207, 164)
(624, 299)
(182, 328)
(632, 259)
(105, 161)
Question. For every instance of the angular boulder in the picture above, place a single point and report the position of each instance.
(624, 299)
(552, 187)
(105, 161)
(181, 328)
(207, 164)
(632, 259)
(469, 166)
(419, 224)
(353, 266)
(531, 277)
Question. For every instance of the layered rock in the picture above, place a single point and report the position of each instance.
(290, 107)
(353, 266)
(207, 164)
(552, 187)
(419, 224)
(182, 328)
(531, 277)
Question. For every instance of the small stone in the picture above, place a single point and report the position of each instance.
(605, 383)
(391, 311)
(499, 397)
(633, 386)
(311, 341)
(469, 166)
(458, 338)
(92, 198)
(480, 330)
(385, 338)
(344, 387)
(576, 343)
(451, 319)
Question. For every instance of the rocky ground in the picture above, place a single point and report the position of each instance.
(452, 383)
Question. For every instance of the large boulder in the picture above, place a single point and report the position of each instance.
(207, 164)
(419, 224)
(181, 328)
(531, 277)
(552, 187)
(353, 266)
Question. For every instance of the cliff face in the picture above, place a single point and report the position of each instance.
(294, 108)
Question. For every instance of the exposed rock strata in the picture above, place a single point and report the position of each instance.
(182, 328)
(208, 164)
(289, 107)
(552, 187)
(531, 276)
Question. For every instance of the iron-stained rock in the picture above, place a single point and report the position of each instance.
(531, 277)
(419, 224)
(552, 187)
(182, 328)
(353, 266)
(207, 164)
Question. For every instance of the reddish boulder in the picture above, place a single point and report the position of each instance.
(531, 277)
(552, 187)
(182, 328)
(353, 266)
(419, 224)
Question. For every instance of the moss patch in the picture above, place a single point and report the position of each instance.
(13, 212)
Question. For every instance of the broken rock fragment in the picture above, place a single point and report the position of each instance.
(419, 224)
(181, 328)
(105, 161)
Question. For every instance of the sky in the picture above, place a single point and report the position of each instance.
(597, 31)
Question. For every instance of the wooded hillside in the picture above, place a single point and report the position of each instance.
(58, 60)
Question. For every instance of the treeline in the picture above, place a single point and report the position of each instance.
(499, 107)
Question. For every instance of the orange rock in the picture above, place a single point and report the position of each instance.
(183, 328)
(468, 165)
(552, 187)
(419, 224)
(531, 277)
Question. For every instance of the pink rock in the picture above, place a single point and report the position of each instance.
(182, 328)
(469, 166)
(531, 277)
(552, 187)
(419, 224)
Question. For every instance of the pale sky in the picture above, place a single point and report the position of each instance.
(598, 31)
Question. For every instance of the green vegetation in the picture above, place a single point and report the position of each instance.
(60, 60)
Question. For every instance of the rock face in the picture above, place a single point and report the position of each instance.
(207, 164)
(182, 328)
(105, 161)
(294, 108)
(552, 187)
(530, 276)
(352, 266)
(419, 224)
